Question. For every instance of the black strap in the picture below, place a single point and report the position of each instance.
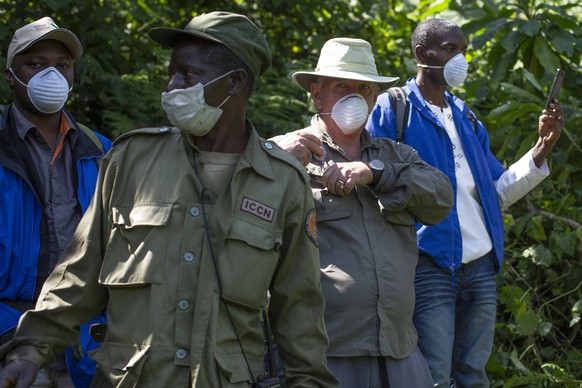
(401, 106)
(3, 110)
(383, 372)
(215, 265)
(272, 372)
(473, 120)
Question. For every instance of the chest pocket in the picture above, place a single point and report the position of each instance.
(137, 246)
(248, 262)
(403, 217)
(331, 207)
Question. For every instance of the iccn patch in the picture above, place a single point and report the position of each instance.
(258, 209)
(311, 227)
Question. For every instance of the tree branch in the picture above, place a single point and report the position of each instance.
(566, 221)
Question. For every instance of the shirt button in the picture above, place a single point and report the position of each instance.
(181, 354)
(268, 146)
(189, 256)
(195, 212)
(183, 304)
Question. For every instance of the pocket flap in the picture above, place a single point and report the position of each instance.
(253, 234)
(142, 214)
(404, 218)
(118, 356)
(233, 367)
(331, 207)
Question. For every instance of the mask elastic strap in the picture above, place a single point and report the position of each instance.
(430, 67)
(224, 102)
(217, 78)
(345, 98)
(26, 85)
(18, 79)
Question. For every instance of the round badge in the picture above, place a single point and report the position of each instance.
(311, 227)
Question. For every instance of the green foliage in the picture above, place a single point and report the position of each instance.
(515, 48)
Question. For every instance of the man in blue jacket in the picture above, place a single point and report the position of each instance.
(455, 280)
(48, 172)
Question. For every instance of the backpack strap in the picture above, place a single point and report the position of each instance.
(401, 106)
(473, 120)
(91, 135)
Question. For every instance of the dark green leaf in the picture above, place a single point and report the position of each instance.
(545, 55)
(527, 322)
(529, 27)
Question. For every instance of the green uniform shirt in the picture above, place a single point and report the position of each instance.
(142, 252)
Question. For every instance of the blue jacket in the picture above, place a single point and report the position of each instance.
(23, 227)
(427, 135)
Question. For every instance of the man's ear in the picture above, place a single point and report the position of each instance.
(420, 54)
(238, 79)
(9, 77)
(315, 95)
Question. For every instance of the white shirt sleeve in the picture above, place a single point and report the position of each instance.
(519, 179)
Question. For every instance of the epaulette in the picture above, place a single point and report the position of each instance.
(277, 152)
(146, 131)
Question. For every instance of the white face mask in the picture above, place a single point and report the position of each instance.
(187, 110)
(455, 70)
(350, 113)
(48, 90)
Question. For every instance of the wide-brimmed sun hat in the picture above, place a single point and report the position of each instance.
(346, 58)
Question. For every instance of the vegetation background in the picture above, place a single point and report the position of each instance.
(515, 48)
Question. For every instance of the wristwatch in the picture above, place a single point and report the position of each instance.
(377, 167)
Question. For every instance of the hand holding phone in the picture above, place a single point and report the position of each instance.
(547, 128)
(556, 86)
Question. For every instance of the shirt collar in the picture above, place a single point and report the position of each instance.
(24, 125)
(255, 153)
(318, 126)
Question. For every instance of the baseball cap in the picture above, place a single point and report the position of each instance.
(42, 29)
(345, 58)
(236, 32)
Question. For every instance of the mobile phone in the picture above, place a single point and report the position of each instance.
(556, 86)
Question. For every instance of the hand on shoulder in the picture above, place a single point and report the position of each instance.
(301, 145)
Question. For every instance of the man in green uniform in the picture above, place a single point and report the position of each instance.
(192, 228)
